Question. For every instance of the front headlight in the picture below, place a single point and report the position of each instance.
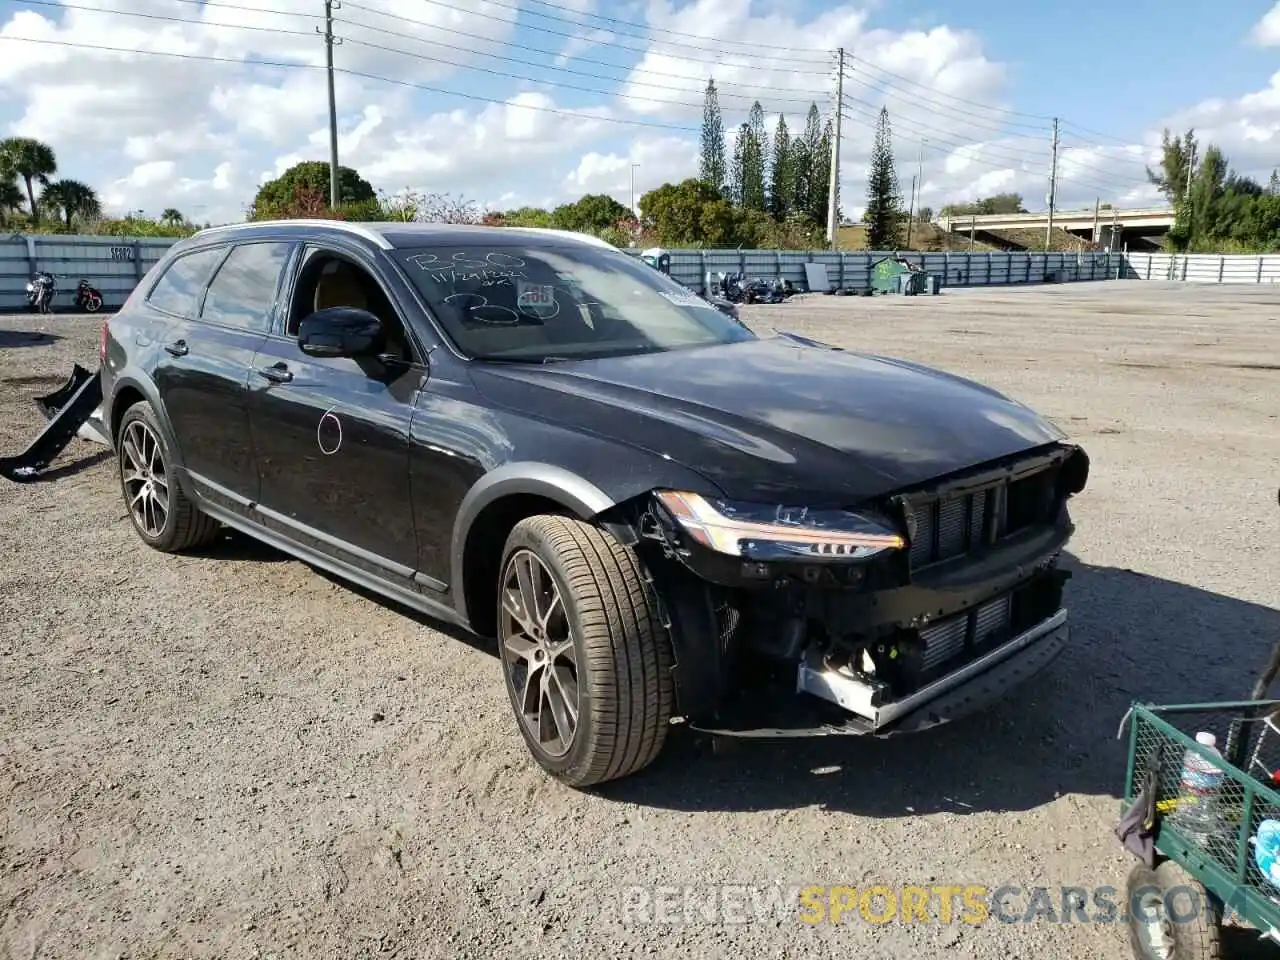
(762, 532)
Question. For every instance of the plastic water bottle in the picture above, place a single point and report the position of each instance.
(1197, 811)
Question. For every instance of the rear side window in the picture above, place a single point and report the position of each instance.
(178, 289)
(244, 289)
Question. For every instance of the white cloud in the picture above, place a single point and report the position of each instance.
(1266, 32)
(154, 131)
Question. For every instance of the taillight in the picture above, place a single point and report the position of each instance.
(102, 347)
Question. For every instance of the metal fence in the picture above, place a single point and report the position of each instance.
(1203, 267)
(112, 264)
(115, 265)
(852, 270)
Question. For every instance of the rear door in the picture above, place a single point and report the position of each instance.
(223, 299)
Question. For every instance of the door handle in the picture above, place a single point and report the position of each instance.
(178, 348)
(276, 373)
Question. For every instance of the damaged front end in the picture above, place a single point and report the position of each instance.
(891, 616)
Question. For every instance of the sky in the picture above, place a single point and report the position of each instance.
(194, 103)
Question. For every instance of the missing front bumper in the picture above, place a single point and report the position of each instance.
(977, 684)
(863, 699)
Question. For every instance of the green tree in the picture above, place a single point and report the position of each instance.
(692, 213)
(883, 214)
(782, 186)
(754, 161)
(523, 217)
(737, 185)
(33, 161)
(172, 216)
(592, 213)
(10, 192)
(711, 165)
(300, 184)
(1273, 187)
(807, 187)
(72, 198)
(985, 206)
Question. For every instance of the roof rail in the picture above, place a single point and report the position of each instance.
(568, 234)
(340, 225)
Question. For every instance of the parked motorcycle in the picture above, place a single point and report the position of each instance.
(88, 298)
(40, 290)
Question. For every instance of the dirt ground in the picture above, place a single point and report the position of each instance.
(231, 755)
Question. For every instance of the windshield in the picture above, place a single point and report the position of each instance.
(537, 302)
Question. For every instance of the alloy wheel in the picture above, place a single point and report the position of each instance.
(538, 653)
(146, 480)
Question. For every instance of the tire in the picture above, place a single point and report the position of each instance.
(92, 304)
(604, 634)
(162, 515)
(1195, 930)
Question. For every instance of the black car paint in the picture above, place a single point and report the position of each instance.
(431, 450)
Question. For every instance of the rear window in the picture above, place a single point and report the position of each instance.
(179, 287)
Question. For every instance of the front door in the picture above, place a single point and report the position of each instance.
(331, 435)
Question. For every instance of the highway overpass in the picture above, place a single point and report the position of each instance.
(1131, 225)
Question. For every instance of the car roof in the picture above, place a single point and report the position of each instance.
(391, 235)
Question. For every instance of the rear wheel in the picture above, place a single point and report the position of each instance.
(586, 659)
(162, 515)
(92, 303)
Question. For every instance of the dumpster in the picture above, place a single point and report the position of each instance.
(885, 273)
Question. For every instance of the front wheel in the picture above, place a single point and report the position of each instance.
(586, 659)
(1171, 915)
(92, 303)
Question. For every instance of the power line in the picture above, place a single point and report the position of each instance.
(755, 55)
(252, 61)
(977, 118)
(641, 26)
(165, 18)
(550, 83)
(949, 96)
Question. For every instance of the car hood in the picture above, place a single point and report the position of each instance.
(780, 419)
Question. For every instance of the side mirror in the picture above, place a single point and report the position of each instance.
(341, 332)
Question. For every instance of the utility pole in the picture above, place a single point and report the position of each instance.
(635, 213)
(1097, 205)
(911, 211)
(329, 41)
(1053, 185)
(1188, 199)
(834, 183)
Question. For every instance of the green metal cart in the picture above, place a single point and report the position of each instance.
(1188, 881)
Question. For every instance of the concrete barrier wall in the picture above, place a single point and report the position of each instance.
(115, 265)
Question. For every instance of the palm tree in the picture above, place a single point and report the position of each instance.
(32, 160)
(10, 192)
(73, 198)
(173, 217)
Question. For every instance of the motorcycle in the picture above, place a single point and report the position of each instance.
(88, 298)
(40, 290)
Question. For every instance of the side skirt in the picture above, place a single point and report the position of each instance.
(244, 521)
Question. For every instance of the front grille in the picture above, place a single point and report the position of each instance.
(955, 525)
(945, 640)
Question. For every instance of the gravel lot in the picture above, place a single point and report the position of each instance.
(232, 755)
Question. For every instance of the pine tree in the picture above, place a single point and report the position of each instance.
(711, 167)
(1273, 187)
(883, 215)
(753, 160)
(813, 182)
(782, 184)
(820, 188)
(737, 169)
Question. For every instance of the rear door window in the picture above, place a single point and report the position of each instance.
(243, 292)
(179, 287)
